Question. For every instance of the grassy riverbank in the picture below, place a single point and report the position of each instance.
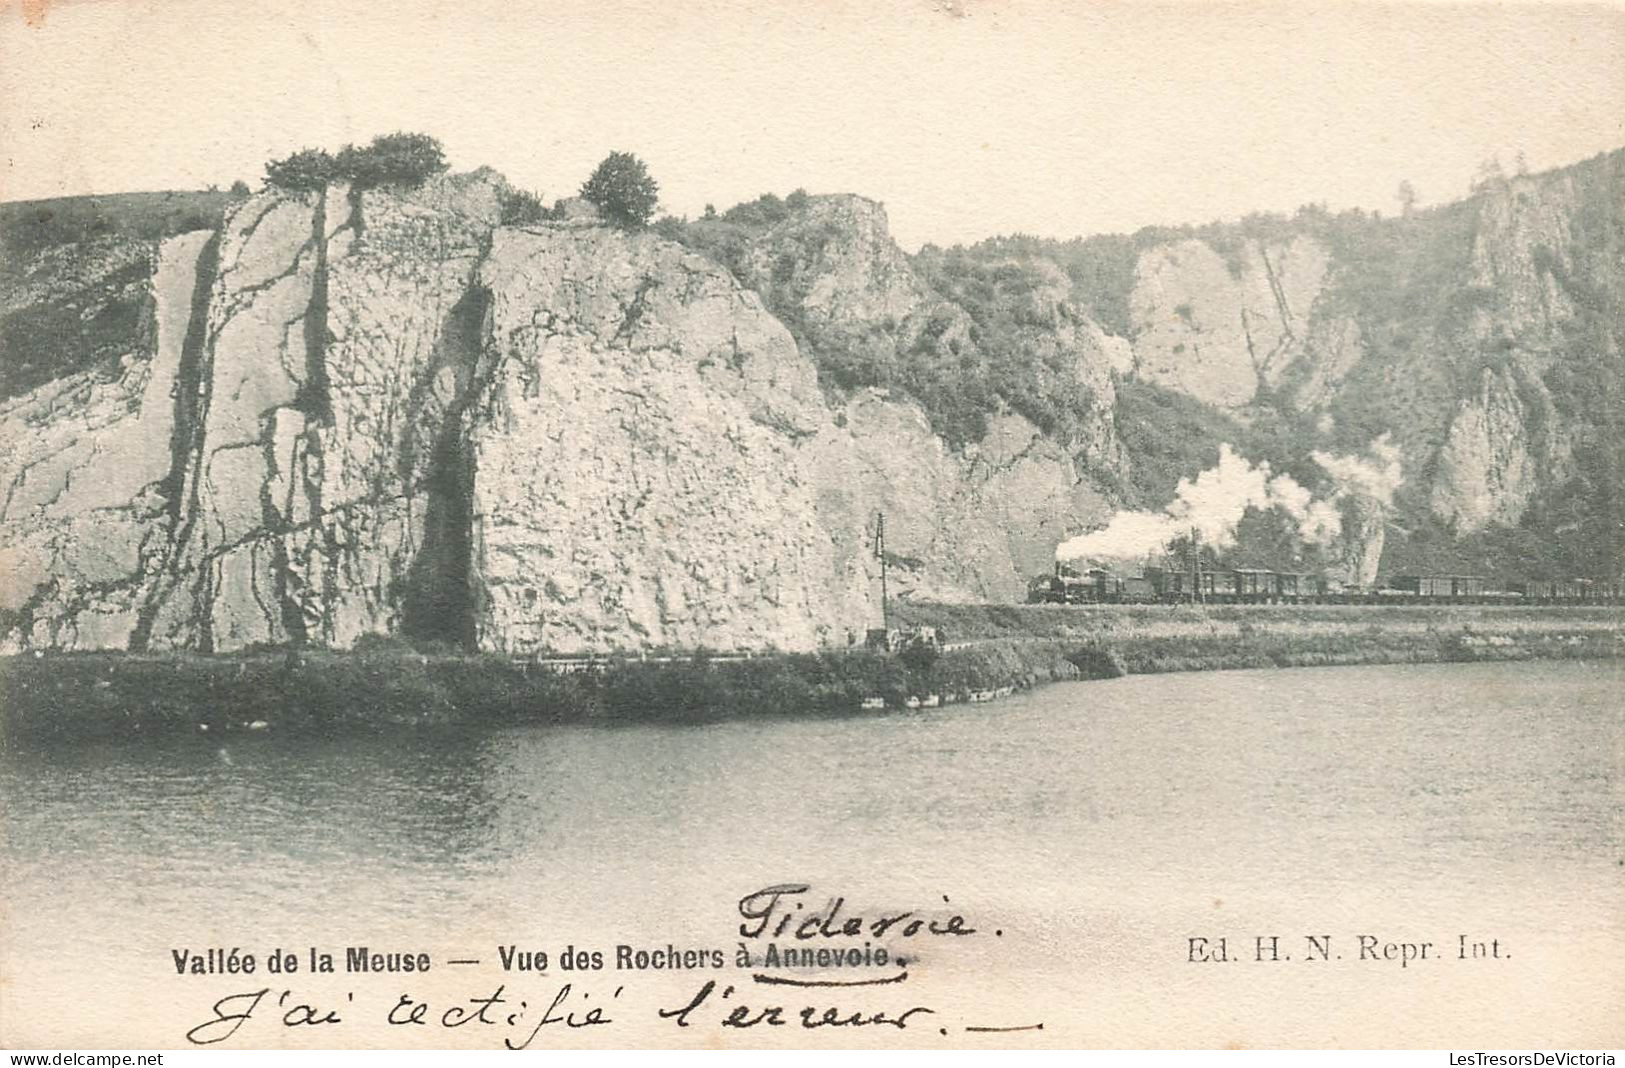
(82, 695)
(1146, 639)
(387, 685)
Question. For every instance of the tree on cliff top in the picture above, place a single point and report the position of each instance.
(391, 159)
(623, 190)
(306, 170)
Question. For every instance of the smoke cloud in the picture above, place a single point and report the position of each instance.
(1376, 476)
(1214, 501)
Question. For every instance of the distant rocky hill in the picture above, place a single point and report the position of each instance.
(1483, 336)
(323, 416)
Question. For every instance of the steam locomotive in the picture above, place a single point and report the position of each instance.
(1161, 585)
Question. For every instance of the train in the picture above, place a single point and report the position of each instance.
(1163, 585)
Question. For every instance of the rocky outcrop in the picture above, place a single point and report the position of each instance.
(1446, 328)
(379, 412)
(834, 265)
(329, 364)
(1507, 437)
(1333, 347)
(89, 469)
(968, 524)
(832, 270)
(283, 437)
(1223, 328)
(1085, 361)
(1364, 533)
(1487, 470)
(1521, 248)
(642, 457)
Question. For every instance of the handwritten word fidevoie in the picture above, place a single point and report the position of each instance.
(777, 911)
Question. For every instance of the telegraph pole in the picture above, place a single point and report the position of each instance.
(1196, 566)
(880, 554)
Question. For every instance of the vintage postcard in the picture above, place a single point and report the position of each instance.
(938, 524)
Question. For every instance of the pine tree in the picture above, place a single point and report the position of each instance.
(623, 190)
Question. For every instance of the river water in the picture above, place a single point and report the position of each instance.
(1097, 827)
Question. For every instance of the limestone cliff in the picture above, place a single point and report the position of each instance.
(1487, 469)
(1481, 335)
(1226, 329)
(380, 412)
(260, 474)
(960, 524)
(641, 457)
(965, 520)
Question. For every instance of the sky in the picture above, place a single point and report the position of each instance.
(966, 118)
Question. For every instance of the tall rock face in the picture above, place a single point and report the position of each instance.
(641, 457)
(961, 524)
(1488, 468)
(1534, 359)
(261, 475)
(330, 358)
(1482, 336)
(380, 412)
(966, 521)
(1226, 328)
(1522, 248)
(89, 465)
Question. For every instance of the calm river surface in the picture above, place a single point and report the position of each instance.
(1098, 826)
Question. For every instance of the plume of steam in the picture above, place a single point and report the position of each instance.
(1318, 521)
(1376, 476)
(1211, 504)
(1214, 502)
(1365, 487)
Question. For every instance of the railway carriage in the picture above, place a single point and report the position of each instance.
(1265, 586)
(1441, 586)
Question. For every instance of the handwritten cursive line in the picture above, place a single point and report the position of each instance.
(781, 980)
(1003, 1030)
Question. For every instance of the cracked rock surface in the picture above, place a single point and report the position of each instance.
(260, 474)
(380, 412)
(643, 456)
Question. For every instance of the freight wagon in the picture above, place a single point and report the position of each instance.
(1441, 586)
(1235, 585)
(1263, 586)
(1570, 591)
